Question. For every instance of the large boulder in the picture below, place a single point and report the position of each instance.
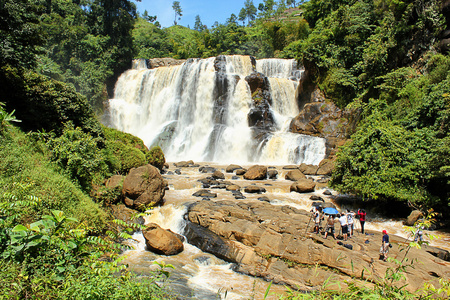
(143, 187)
(162, 241)
(277, 244)
(303, 186)
(256, 172)
(294, 175)
(218, 175)
(125, 214)
(272, 174)
(413, 217)
(308, 169)
(326, 167)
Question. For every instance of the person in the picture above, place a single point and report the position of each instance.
(419, 233)
(344, 225)
(317, 217)
(330, 226)
(350, 215)
(362, 219)
(384, 250)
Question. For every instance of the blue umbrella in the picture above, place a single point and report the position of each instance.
(330, 211)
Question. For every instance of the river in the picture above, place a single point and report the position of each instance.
(199, 275)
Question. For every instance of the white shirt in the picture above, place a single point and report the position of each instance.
(350, 218)
(343, 220)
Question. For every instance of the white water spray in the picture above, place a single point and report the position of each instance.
(180, 109)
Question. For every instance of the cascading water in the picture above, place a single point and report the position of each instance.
(199, 110)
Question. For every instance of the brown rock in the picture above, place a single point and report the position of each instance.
(254, 189)
(413, 217)
(272, 174)
(218, 175)
(303, 186)
(326, 167)
(277, 244)
(294, 175)
(308, 169)
(256, 172)
(240, 172)
(290, 167)
(143, 187)
(231, 168)
(233, 187)
(114, 181)
(162, 241)
(123, 213)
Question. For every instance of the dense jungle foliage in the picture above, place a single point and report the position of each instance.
(59, 60)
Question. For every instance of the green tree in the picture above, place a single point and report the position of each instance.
(20, 33)
(178, 11)
(242, 15)
(198, 24)
(250, 10)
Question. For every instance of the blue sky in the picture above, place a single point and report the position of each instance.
(209, 11)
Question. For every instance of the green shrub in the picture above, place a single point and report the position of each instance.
(43, 103)
(78, 154)
(155, 157)
(22, 165)
(129, 157)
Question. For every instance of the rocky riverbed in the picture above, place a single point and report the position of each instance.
(263, 226)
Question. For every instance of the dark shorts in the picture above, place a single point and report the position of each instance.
(344, 229)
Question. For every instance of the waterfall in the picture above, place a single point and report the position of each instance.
(199, 110)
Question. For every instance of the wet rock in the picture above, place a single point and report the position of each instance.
(327, 193)
(254, 189)
(231, 168)
(183, 164)
(162, 241)
(238, 195)
(294, 175)
(272, 174)
(143, 187)
(316, 198)
(206, 169)
(218, 175)
(178, 171)
(256, 172)
(290, 167)
(303, 186)
(235, 177)
(233, 187)
(204, 193)
(169, 173)
(264, 198)
(240, 172)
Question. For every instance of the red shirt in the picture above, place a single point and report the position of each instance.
(362, 216)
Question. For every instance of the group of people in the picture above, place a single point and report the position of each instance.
(347, 222)
(345, 219)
